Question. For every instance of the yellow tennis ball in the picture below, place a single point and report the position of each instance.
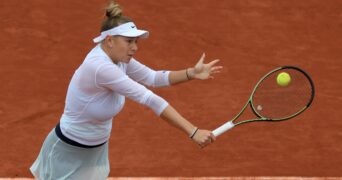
(283, 79)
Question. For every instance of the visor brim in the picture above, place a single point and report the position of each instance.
(135, 33)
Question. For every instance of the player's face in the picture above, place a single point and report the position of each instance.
(123, 48)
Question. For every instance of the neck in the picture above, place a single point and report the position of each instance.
(108, 52)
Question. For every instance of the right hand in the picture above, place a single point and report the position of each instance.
(203, 138)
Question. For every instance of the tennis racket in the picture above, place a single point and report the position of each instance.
(272, 102)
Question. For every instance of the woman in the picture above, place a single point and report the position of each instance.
(77, 147)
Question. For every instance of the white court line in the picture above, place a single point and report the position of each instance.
(207, 178)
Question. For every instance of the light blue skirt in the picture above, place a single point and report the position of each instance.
(59, 160)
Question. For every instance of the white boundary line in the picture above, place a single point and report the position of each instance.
(207, 178)
(225, 178)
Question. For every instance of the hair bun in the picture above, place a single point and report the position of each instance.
(113, 10)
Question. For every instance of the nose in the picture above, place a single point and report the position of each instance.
(134, 46)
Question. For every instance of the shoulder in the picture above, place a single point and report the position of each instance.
(96, 58)
(97, 53)
(134, 63)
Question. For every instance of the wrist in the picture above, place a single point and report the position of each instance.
(193, 132)
(189, 73)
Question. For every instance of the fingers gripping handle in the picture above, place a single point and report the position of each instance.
(225, 127)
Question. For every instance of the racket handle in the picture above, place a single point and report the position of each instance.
(225, 127)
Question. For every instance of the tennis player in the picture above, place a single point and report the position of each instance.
(77, 148)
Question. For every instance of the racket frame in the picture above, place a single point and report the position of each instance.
(230, 124)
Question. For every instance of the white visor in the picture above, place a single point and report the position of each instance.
(128, 30)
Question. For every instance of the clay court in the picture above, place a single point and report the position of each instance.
(43, 42)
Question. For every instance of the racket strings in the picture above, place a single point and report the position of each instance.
(277, 102)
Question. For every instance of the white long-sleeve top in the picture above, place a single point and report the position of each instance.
(97, 92)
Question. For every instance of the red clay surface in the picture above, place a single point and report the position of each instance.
(43, 42)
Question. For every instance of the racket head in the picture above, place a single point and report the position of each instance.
(270, 101)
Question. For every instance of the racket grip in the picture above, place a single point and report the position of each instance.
(225, 127)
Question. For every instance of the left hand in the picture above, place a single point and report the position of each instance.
(204, 71)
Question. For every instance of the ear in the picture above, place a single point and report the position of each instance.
(109, 41)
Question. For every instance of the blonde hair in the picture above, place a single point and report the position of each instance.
(114, 16)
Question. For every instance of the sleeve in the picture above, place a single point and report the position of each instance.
(111, 77)
(147, 76)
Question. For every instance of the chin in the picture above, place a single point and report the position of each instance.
(129, 59)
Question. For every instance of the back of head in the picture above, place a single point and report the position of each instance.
(113, 17)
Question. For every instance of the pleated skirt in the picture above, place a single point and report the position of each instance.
(58, 160)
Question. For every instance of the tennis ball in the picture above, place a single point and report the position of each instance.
(283, 79)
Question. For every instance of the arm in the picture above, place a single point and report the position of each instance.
(201, 137)
(199, 71)
(147, 76)
(111, 77)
